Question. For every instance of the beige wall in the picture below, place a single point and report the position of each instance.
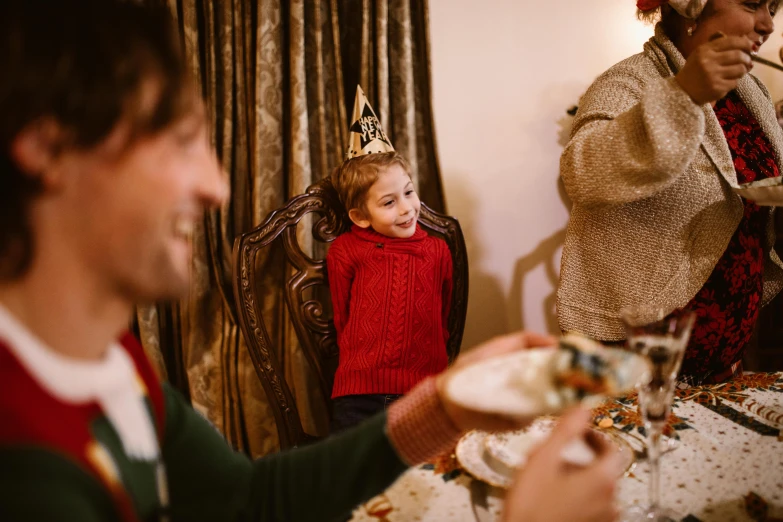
(504, 73)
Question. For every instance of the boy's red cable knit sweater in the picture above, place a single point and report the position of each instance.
(391, 300)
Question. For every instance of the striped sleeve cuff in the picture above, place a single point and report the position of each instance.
(418, 426)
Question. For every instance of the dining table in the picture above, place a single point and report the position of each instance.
(722, 461)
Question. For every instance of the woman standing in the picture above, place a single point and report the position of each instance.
(658, 143)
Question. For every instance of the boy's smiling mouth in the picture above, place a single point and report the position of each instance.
(406, 224)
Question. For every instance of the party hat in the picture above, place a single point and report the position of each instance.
(366, 134)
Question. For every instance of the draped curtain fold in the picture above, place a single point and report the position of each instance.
(277, 77)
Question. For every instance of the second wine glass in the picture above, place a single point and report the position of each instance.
(662, 340)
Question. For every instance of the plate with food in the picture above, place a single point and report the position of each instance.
(544, 381)
(494, 457)
(766, 192)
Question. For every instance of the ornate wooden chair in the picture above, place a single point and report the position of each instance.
(307, 297)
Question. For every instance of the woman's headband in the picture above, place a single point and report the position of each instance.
(687, 8)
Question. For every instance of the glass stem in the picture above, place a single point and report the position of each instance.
(654, 453)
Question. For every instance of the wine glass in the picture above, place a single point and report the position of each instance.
(662, 340)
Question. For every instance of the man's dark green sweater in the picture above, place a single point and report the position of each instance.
(66, 462)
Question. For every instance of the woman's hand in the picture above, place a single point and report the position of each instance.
(468, 419)
(713, 69)
(547, 489)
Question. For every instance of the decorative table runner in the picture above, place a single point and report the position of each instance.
(724, 463)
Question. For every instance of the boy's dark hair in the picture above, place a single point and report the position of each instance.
(354, 177)
(80, 63)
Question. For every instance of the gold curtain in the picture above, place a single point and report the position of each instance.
(277, 77)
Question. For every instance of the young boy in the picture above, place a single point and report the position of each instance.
(390, 281)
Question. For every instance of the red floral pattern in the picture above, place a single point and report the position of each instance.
(727, 306)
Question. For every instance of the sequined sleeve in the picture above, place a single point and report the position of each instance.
(631, 138)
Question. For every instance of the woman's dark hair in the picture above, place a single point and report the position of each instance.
(80, 63)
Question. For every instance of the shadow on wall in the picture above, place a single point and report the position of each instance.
(546, 254)
(486, 301)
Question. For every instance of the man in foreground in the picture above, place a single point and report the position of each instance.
(104, 168)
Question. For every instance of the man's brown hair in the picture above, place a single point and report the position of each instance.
(354, 177)
(81, 64)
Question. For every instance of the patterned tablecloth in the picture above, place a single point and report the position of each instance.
(726, 461)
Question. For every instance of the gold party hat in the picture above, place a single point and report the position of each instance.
(366, 134)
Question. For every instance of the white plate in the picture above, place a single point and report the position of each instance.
(522, 384)
(470, 455)
(480, 453)
(509, 450)
(767, 192)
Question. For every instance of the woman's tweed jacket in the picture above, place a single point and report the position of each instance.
(650, 175)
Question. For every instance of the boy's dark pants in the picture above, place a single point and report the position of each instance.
(350, 410)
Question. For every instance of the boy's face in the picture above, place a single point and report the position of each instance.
(392, 205)
(130, 211)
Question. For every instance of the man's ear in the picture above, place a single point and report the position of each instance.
(358, 218)
(35, 151)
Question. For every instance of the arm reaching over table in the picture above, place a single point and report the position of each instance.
(334, 475)
(208, 481)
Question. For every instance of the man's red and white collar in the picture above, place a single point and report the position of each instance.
(113, 383)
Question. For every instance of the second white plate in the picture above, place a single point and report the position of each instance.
(481, 454)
